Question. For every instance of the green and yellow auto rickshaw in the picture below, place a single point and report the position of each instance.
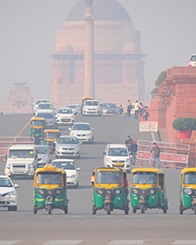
(50, 190)
(109, 190)
(50, 137)
(148, 189)
(188, 190)
(37, 126)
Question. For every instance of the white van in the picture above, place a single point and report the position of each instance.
(21, 160)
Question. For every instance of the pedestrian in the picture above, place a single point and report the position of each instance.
(128, 142)
(133, 152)
(155, 150)
(121, 110)
(137, 107)
(129, 107)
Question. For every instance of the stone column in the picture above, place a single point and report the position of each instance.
(89, 85)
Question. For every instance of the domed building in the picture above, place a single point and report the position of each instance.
(118, 68)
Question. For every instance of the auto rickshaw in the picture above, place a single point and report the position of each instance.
(109, 190)
(188, 190)
(37, 126)
(50, 137)
(50, 190)
(148, 189)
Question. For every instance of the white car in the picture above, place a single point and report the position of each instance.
(50, 119)
(43, 155)
(117, 155)
(37, 102)
(8, 195)
(192, 60)
(75, 107)
(65, 116)
(91, 108)
(45, 107)
(72, 171)
(67, 146)
(83, 131)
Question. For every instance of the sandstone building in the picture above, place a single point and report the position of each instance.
(118, 64)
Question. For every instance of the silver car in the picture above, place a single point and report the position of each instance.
(67, 146)
(8, 195)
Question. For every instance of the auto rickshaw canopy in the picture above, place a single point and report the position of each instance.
(37, 122)
(49, 175)
(108, 177)
(51, 134)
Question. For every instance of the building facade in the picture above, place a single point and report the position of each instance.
(118, 64)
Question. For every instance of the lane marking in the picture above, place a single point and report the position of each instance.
(127, 242)
(62, 242)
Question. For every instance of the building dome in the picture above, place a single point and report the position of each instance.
(103, 10)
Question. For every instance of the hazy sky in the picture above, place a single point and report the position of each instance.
(28, 34)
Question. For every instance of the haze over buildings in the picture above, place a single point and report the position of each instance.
(28, 30)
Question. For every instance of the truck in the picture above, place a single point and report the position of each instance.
(21, 160)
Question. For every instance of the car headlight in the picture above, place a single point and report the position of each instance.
(11, 194)
(188, 191)
(117, 191)
(72, 176)
(40, 192)
(127, 160)
(108, 159)
(58, 191)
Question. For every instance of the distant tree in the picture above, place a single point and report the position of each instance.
(162, 76)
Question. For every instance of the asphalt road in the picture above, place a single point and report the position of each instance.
(79, 226)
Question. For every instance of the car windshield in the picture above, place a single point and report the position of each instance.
(49, 178)
(106, 177)
(193, 58)
(93, 103)
(144, 178)
(81, 127)
(45, 106)
(5, 182)
(109, 106)
(190, 178)
(65, 111)
(68, 140)
(117, 152)
(46, 115)
(64, 164)
(42, 150)
(28, 153)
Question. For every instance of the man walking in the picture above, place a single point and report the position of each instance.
(155, 154)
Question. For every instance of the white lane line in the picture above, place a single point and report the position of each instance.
(8, 242)
(127, 242)
(184, 242)
(62, 242)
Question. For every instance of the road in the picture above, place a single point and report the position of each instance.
(79, 226)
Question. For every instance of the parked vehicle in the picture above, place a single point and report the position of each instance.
(71, 169)
(21, 160)
(117, 155)
(50, 138)
(148, 189)
(8, 194)
(109, 190)
(187, 198)
(50, 189)
(83, 131)
(37, 126)
(67, 146)
(192, 60)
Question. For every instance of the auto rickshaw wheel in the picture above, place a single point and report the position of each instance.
(181, 209)
(94, 209)
(49, 208)
(194, 208)
(142, 207)
(126, 210)
(66, 209)
(35, 210)
(165, 209)
(108, 209)
(134, 210)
